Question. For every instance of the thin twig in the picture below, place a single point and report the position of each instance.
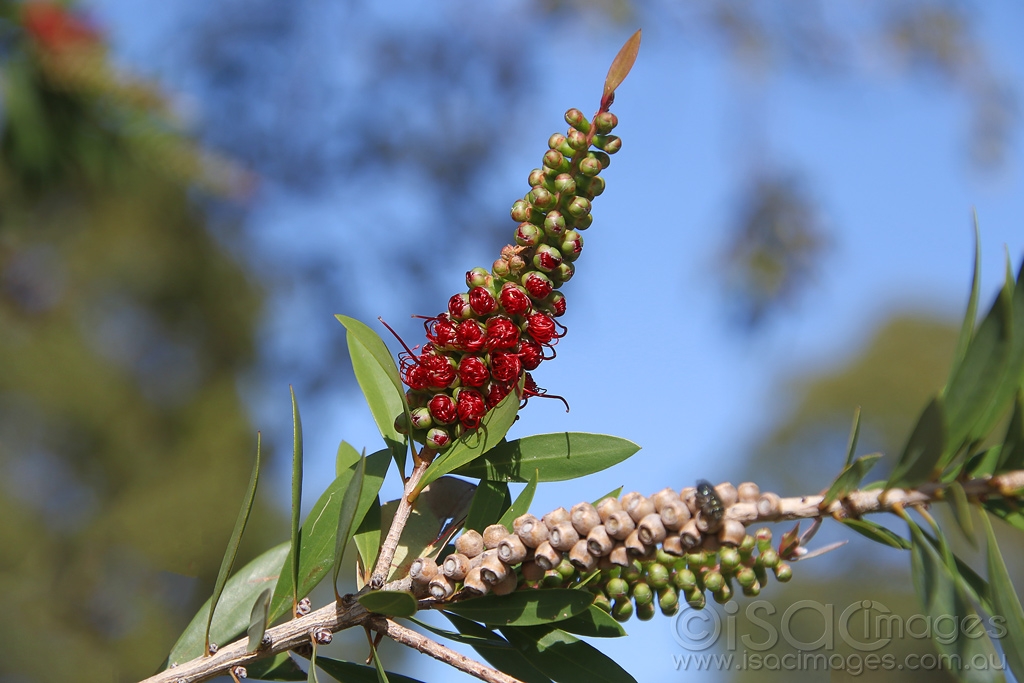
(390, 545)
(418, 641)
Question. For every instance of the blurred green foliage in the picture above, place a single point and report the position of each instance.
(124, 327)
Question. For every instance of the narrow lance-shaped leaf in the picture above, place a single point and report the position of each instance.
(391, 603)
(482, 640)
(258, 620)
(923, 449)
(614, 493)
(311, 676)
(851, 448)
(350, 672)
(1007, 604)
(559, 456)
(594, 623)
(381, 383)
(506, 658)
(296, 498)
(970, 317)
(491, 499)
(346, 457)
(347, 518)
(620, 68)
(521, 504)
(524, 608)
(382, 675)
(367, 540)
(280, 667)
(848, 480)
(878, 533)
(493, 427)
(961, 509)
(564, 657)
(236, 536)
(1011, 455)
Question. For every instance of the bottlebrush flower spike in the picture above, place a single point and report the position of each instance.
(494, 334)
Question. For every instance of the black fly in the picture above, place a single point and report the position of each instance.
(708, 501)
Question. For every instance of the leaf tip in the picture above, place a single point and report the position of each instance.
(620, 68)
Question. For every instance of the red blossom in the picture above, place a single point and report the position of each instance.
(442, 409)
(482, 301)
(470, 335)
(502, 333)
(440, 331)
(497, 391)
(440, 371)
(530, 388)
(414, 374)
(471, 408)
(458, 307)
(538, 287)
(514, 300)
(542, 328)
(54, 27)
(557, 305)
(547, 260)
(472, 371)
(530, 354)
(505, 367)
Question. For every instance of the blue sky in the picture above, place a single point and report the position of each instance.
(648, 355)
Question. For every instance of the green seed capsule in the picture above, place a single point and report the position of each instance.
(566, 569)
(552, 579)
(601, 601)
(631, 574)
(713, 580)
(668, 599)
(783, 572)
(768, 558)
(745, 577)
(684, 580)
(724, 595)
(658, 575)
(729, 558)
(753, 590)
(645, 612)
(617, 588)
(622, 610)
(642, 593)
(695, 599)
(660, 555)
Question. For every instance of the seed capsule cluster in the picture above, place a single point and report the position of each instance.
(647, 550)
(503, 326)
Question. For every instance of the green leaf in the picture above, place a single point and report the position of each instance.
(878, 533)
(484, 641)
(357, 673)
(1009, 514)
(346, 457)
(236, 601)
(559, 456)
(970, 317)
(848, 480)
(491, 499)
(620, 67)
(493, 427)
(595, 623)
(236, 537)
(296, 496)
(524, 608)
(437, 516)
(614, 493)
(504, 658)
(258, 620)
(961, 508)
(367, 540)
(390, 603)
(280, 667)
(1007, 604)
(565, 658)
(378, 377)
(311, 674)
(851, 447)
(347, 518)
(382, 675)
(923, 449)
(984, 464)
(521, 504)
(1011, 455)
(942, 595)
(319, 531)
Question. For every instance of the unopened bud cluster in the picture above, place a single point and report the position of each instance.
(503, 326)
(632, 551)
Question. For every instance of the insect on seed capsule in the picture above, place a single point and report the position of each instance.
(708, 501)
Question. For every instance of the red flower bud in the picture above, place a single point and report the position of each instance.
(470, 335)
(438, 439)
(547, 258)
(482, 301)
(413, 374)
(442, 409)
(555, 305)
(530, 354)
(497, 391)
(502, 333)
(471, 407)
(505, 367)
(440, 331)
(528, 235)
(538, 285)
(478, 277)
(514, 300)
(440, 371)
(458, 307)
(541, 328)
(472, 371)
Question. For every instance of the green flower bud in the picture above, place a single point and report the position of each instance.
(761, 573)
(556, 141)
(577, 140)
(783, 572)
(571, 244)
(537, 178)
(577, 206)
(695, 599)
(522, 211)
(542, 199)
(729, 558)
(745, 577)
(593, 186)
(764, 539)
(603, 158)
(605, 122)
(724, 595)
(713, 580)
(609, 143)
(590, 166)
(668, 600)
(684, 580)
(438, 439)
(658, 575)
(556, 161)
(478, 277)
(768, 558)
(583, 222)
(528, 235)
(554, 225)
(546, 258)
(563, 273)
(645, 612)
(576, 119)
(752, 591)
(617, 588)
(747, 546)
(622, 610)
(402, 424)
(565, 184)
(421, 418)
(501, 268)
(642, 593)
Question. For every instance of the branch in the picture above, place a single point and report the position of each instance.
(420, 642)
(390, 545)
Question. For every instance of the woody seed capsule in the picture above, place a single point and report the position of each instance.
(546, 557)
(470, 543)
(441, 588)
(634, 545)
(620, 556)
(584, 517)
(637, 506)
(474, 584)
(493, 570)
(598, 541)
(511, 550)
(690, 535)
(581, 557)
(769, 505)
(506, 585)
(748, 492)
(674, 513)
(619, 525)
(531, 571)
(727, 494)
(555, 516)
(422, 570)
(532, 531)
(663, 496)
(456, 566)
(673, 545)
(651, 530)
(732, 533)
(563, 536)
(606, 506)
(493, 535)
